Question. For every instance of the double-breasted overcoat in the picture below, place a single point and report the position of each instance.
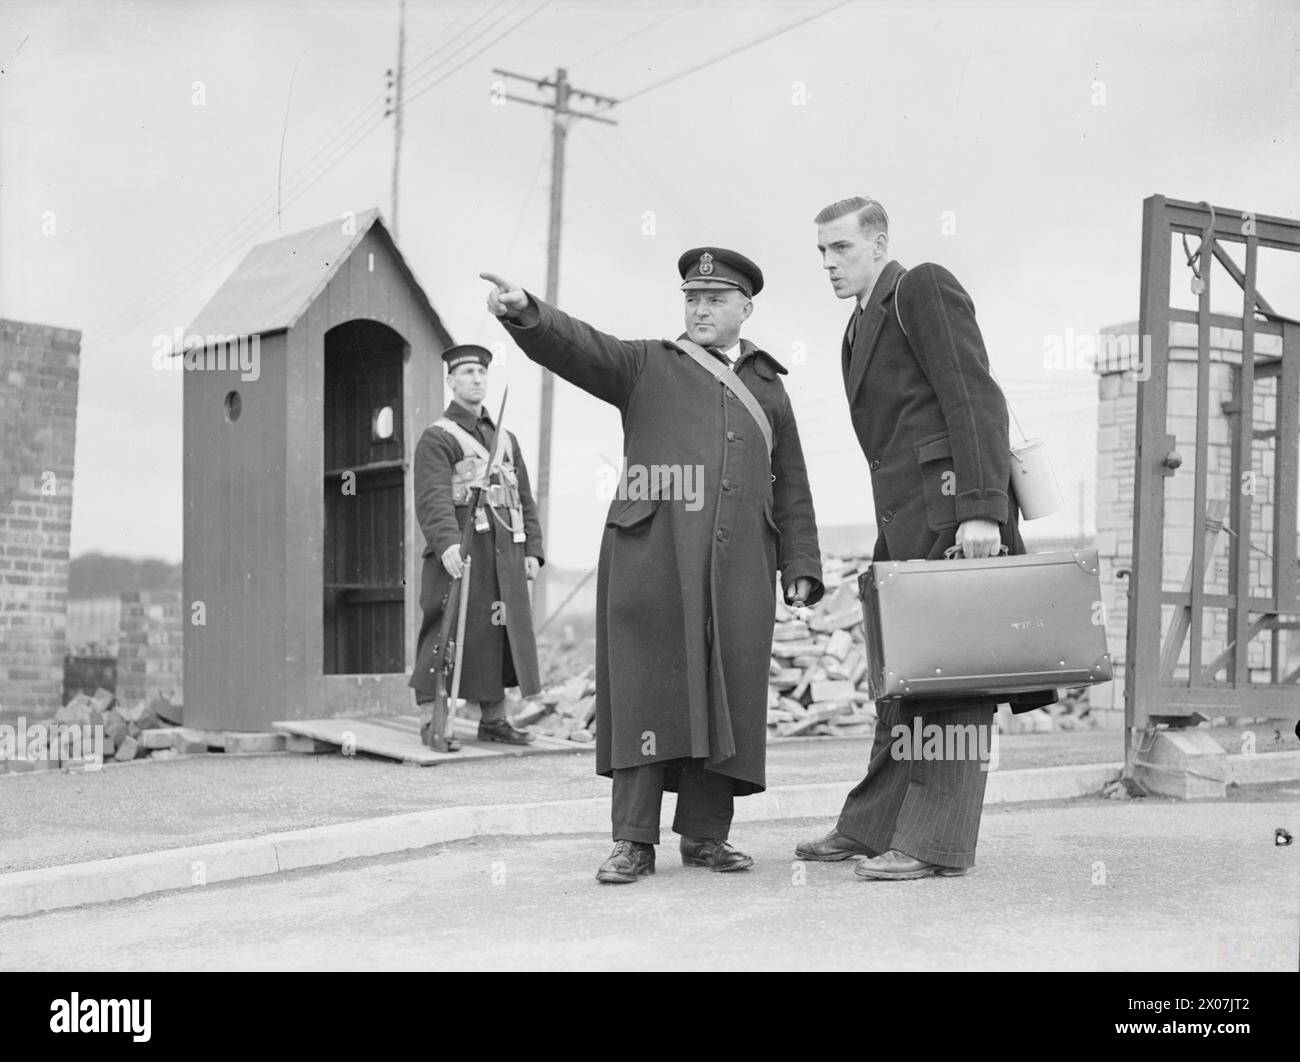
(700, 525)
(932, 423)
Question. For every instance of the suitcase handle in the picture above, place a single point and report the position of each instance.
(953, 552)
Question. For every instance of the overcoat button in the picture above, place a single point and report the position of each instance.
(721, 536)
(886, 517)
(727, 484)
(731, 436)
(875, 464)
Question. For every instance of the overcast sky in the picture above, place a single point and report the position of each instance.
(1011, 142)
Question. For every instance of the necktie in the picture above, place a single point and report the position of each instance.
(853, 324)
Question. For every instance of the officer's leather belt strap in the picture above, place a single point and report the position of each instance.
(726, 375)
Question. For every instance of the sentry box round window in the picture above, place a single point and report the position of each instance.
(234, 406)
(381, 425)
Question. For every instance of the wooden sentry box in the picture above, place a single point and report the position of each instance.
(301, 555)
(943, 628)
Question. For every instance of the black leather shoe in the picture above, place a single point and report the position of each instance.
(453, 744)
(714, 855)
(895, 866)
(832, 848)
(629, 860)
(502, 731)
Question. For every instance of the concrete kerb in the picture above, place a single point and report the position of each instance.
(1261, 768)
(128, 877)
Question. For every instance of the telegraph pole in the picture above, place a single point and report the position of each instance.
(395, 86)
(562, 116)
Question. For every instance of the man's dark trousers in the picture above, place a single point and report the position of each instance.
(927, 809)
(705, 801)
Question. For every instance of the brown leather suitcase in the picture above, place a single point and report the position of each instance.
(946, 628)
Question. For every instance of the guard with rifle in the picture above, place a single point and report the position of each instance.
(483, 543)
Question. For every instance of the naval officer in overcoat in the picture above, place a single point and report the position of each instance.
(932, 423)
(505, 551)
(714, 501)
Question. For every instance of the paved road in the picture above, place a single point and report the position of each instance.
(1089, 885)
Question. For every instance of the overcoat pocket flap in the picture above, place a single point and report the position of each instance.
(933, 449)
(631, 512)
(767, 515)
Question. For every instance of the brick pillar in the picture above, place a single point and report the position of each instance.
(39, 368)
(149, 646)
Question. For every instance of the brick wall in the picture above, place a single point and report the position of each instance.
(149, 646)
(1116, 445)
(38, 416)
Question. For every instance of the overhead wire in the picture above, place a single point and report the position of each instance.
(495, 40)
(428, 57)
(327, 154)
(234, 234)
(173, 289)
(635, 33)
(727, 55)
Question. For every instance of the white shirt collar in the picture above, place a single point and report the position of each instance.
(866, 295)
(732, 353)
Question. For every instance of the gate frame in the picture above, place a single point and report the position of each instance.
(1147, 692)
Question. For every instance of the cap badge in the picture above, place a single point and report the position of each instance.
(706, 264)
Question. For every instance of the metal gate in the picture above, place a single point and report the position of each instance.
(1214, 597)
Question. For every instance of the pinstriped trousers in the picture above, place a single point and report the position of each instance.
(928, 809)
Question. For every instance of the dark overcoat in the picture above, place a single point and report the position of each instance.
(687, 577)
(500, 649)
(932, 423)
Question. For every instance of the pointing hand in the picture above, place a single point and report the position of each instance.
(506, 299)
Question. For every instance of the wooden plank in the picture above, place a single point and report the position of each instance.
(1229, 652)
(1286, 474)
(1243, 462)
(1252, 298)
(1223, 699)
(1143, 635)
(1200, 555)
(1173, 645)
(398, 738)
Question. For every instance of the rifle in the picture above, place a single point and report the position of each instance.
(439, 734)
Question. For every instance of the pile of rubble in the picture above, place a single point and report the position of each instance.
(816, 681)
(566, 711)
(70, 738)
(817, 676)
